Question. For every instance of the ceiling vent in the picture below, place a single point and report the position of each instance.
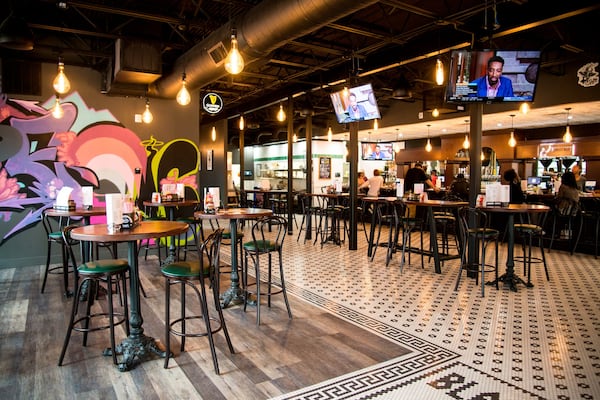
(218, 53)
(137, 62)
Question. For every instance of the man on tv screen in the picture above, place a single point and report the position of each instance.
(493, 84)
(377, 154)
(356, 112)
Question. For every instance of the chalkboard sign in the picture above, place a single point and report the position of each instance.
(324, 167)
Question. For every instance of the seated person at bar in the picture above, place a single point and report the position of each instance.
(578, 178)
(374, 184)
(433, 177)
(417, 174)
(568, 192)
(361, 179)
(516, 194)
(460, 187)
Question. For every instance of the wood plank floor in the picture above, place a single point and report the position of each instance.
(280, 356)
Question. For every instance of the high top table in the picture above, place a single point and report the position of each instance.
(234, 293)
(509, 211)
(136, 345)
(430, 205)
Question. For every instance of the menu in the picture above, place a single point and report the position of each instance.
(324, 167)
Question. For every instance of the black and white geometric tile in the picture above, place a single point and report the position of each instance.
(540, 342)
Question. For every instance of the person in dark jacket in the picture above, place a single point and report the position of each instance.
(460, 187)
(516, 194)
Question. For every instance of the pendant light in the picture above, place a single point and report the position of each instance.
(428, 146)
(375, 124)
(466, 143)
(524, 108)
(183, 96)
(512, 142)
(57, 110)
(329, 135)
(61, 83)
(567, 137)
(439, 72)
(213, 134)
(147, 116)
(241, 123)
(397, 143)
(281, 114)
(435, 113)
(234, 64)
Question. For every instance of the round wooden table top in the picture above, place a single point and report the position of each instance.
(184, 203)
(235, 213)
(78, 212)
(438, 203)
(144, 230)
(517, 208)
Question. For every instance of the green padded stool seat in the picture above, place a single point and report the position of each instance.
(261, 246)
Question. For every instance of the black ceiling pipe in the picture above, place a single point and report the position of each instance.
(260, 31)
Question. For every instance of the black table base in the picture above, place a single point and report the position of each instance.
(511, 280)
(135, 347)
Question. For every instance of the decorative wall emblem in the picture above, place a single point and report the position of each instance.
(212, 103)
(587, 75)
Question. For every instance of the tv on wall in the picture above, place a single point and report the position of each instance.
(377, 151)
(355, 104)
(471, 79)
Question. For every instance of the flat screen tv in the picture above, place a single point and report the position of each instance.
(470, 77)
(355, 104)
(377, 151)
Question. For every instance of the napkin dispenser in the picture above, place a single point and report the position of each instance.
(131, 220)
(63, 200)
(131, 216)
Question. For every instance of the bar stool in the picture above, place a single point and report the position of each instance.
(307, 215)
(408, 223)
(53, 227)
(265, 242)
(531, 230)
(475, 239)
(147, 215)
(194, 274)
(385, 216)
(193, 224)
(111, 271)
(591, 212)
(565, 215)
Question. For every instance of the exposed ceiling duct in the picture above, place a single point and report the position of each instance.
(263, 29)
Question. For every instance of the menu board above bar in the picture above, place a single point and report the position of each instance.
(551, 150)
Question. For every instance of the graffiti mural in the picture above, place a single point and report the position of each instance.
(40, 154)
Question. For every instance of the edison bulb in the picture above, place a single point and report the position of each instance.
(61, 83)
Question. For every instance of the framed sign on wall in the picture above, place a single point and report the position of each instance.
(209, 160)
(324, 167)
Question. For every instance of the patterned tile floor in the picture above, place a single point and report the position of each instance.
(541, 342)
